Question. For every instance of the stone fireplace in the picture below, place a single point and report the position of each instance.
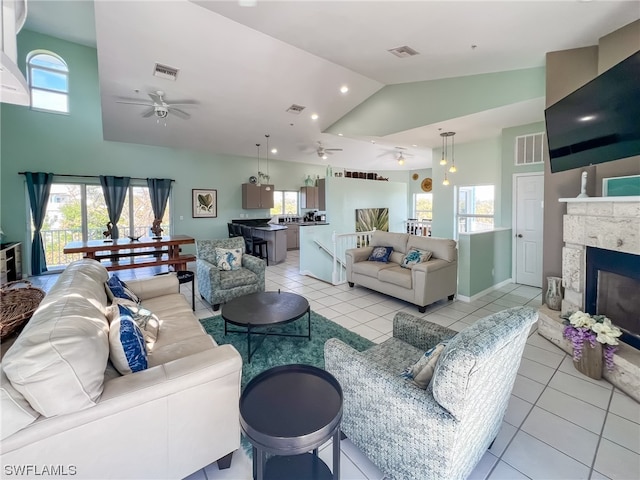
(601, 257)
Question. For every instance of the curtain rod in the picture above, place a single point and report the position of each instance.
(89, 176)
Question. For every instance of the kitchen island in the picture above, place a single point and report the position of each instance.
(276, 237)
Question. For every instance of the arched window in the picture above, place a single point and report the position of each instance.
(48, 78)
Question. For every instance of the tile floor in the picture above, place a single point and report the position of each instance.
(559, 424)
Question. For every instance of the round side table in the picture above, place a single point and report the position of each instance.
(289, 411)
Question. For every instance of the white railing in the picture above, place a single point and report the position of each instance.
(341, 243)
(418, 227)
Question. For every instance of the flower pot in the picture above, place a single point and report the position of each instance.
(590, 363)
(553, 297)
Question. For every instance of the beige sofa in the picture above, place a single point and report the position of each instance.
(65, 409)
(422, 284)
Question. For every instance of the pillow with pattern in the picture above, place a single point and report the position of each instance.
(127, 350)
(422, 371)
(120, 289)
(380, 254)
(415, 256)
(228, 258)
(146, 320)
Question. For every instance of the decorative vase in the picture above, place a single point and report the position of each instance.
(553, 297)
(309, 181)
(590, 363)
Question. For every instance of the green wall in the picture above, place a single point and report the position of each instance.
(484, 261)
(396, 108)
(509, 167)
(478, 163)
(73, 144)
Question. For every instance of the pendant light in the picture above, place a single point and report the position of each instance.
(258, 150)
(268, 187)
(443, 159)
(453, 168)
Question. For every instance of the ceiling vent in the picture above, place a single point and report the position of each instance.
(163, 71)
(403, 52)
(295, 109)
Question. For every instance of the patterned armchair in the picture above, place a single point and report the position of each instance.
(219, 286)
(443, 431)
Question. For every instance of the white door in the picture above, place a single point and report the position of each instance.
(529, 195)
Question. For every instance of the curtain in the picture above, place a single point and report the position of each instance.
(39, 186)
(114, 190)
(159, 190)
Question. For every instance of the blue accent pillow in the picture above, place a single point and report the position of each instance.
(120, 289)
(380, 254)
(127, 350)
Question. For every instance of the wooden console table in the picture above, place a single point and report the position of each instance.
(124, 253)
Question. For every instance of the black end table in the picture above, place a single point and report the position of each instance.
(288, 411)
(263, 310)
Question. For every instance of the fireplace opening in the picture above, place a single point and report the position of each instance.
(612, 288)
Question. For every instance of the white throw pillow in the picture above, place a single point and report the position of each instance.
(127, 350)
(228, 258)
(415, 256)
(422, 371)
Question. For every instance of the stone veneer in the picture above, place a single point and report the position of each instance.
(610, 223)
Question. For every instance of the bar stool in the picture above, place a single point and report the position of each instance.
(254, 245)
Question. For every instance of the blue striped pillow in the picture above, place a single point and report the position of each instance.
(127, 349)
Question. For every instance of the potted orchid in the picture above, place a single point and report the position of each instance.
(597, 330)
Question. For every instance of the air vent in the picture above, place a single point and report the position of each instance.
(403, 52)
(295, 109)
(163, 71)
(530, 149)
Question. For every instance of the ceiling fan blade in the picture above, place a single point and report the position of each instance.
(147, 104)
(332, 149)
(155, 97)
(182, 102)
(180, 113)
(149, 112)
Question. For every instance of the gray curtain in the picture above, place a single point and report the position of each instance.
(39, 186)
(159, 190)
(114, 190)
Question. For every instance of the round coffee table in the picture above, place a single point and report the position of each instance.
(288, 411)
(263, 310)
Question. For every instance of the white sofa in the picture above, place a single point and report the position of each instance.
(65, 409)
(422, 284)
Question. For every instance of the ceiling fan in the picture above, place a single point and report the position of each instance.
(324, 152)
(159, 107)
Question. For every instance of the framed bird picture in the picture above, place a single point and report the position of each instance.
(204, 203)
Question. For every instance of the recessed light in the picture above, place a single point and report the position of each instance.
(274, 150)
(340, 135)
(344, 89)
(587, 118)
(414, 145)
(314, 116)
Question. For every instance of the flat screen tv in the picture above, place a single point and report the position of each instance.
(599, 122)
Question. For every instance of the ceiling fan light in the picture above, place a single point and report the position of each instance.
(324, 156)
(401, 161)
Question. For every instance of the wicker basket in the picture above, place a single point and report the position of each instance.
(18, 301)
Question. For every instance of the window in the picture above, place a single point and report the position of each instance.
(475, 208)
(284, 203)
(48, 78)
(530, 149)
(77, 211)
(422, 206)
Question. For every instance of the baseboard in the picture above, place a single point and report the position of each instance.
(464, 298)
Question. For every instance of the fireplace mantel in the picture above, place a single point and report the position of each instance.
(632, 199)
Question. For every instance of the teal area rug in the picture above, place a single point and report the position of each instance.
(275, 350)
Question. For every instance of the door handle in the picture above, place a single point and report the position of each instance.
(519, 235)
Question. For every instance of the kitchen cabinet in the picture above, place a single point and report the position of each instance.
(308, 197)
(10, 262)
(254, 196)
(293, 236)
(322, 199)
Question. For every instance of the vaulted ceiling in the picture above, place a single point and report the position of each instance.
(244, 66)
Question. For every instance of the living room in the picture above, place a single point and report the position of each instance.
(75, 144)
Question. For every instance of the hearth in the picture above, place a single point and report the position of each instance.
(612, 288)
